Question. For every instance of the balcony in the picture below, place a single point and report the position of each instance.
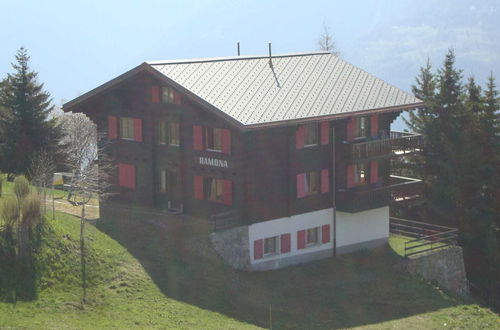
(398, 189)
(397, 143)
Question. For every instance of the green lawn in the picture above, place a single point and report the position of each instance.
(121, 293)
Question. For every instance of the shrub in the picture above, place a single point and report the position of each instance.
(31, 210)
(21, 187)
(9, 211)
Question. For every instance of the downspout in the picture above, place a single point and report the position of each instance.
(334, 194)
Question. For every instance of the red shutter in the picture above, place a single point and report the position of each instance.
(350, 176)
(258, 249)
(198, 187)
(325, 181)
(301, 239)
(155, 94)
(325, 132)
(177, 98)
(131, 177)
(197, 137)
(226, 141)
(351, 129)
(285, 243)
(112, 127)
(301, 179)
(138, 130)
(325, 234)
(374, 125)
(299, 137)
(227, 192)
(126, 175)
(374, 171)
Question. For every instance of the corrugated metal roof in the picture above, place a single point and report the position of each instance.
(296, 86)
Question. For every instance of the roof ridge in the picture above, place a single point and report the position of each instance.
(232, 58)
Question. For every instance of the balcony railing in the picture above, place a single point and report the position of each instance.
(395, 143)
(398, 189)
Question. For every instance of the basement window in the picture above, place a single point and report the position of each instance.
(312, 237)
(271, 246)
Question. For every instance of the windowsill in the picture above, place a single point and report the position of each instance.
(310, 245)
(311, 145)
(127, 139)
(270, 255)
(214, 150)
(174, 145)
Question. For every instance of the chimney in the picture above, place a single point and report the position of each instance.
(270, 56)
(238, 46)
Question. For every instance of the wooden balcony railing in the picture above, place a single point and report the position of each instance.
(395, 143)
(398, 189)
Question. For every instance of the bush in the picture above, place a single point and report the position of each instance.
(21, 187)
(31, 210)
(9, 211)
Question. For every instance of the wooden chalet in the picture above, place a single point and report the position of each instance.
(289, 155)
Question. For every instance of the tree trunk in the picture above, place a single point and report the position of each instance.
(82, 254)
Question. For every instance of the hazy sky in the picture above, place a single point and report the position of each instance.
(78, 45)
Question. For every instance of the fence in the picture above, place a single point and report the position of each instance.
(426, 236)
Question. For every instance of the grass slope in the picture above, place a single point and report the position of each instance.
(121, 294)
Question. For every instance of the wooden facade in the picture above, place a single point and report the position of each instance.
(260, 170)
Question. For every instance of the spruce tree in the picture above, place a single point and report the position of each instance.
(25, 126)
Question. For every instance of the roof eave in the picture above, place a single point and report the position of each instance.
(291, 122)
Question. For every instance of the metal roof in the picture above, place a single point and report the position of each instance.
(295, 87)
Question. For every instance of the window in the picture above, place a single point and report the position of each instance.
(271, 245)
(363, 127)
(213, 139)
(312, 183)
(168, 133)
(214, 189)
(126, 128)
(163, 181)
(312, 236)
(167, 95)
(361, 173)
(311, 135)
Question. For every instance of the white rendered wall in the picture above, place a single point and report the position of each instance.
(354, 228)
(291, 225)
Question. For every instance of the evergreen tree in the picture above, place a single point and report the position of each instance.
(25, 127)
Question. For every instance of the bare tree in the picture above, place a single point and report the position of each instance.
(326, 41)
(91, 167)
(41, 172)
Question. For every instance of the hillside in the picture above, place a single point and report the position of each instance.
(121, 294)
(151, 270)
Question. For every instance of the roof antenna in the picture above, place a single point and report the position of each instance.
(238, 46)
(270, 57)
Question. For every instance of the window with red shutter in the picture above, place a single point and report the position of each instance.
(299, 137)
(198, 187)
(325, 132)
(258, 249)
(301, 179)
(112, 127)
(138, 130)
(227, 192)
(285, 243)
(351, 175)
(351, 129)
(374, 171)
(325, 181)
(197, 137)
(325, 234)
(155, 94)
(301, 239)
(374, 125)
(226, 141)
(126, 175)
